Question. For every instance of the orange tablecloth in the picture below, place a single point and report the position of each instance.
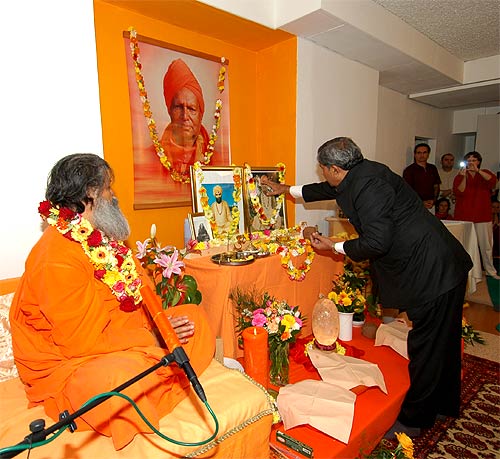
(266, 274)
(374, 411)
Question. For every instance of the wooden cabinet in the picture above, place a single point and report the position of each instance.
(339, 225)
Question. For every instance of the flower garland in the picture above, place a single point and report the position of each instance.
(235, 212)
(112, 260)
(296, 247)
(254, 197)
(182, 177)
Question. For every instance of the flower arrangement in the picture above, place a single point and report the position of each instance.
(281, 321)
(165, 266)
(469, 335)
(404, 449)
(347, 289)
(358, 276)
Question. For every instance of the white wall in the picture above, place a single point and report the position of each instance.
(50, 108)
(335, 97)
(400, 120)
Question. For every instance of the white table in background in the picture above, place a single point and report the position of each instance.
(466, 234)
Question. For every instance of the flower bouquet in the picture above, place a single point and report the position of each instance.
(165, 266)
(347, 290)
(281, 321)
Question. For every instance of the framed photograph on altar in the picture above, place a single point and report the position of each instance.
(217, 193)
(179, 104)
(201, 230)
(262, 212)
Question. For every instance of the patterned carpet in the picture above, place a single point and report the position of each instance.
(476, 433)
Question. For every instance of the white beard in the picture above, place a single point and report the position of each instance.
(108, 218)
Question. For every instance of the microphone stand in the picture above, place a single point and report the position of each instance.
(68, 420)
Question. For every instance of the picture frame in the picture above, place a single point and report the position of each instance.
(228, 180)
(201, 230)
(269, 203)
(161, 150)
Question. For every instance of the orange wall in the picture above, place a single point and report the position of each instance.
(262, 108)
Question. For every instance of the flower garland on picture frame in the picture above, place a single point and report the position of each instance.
(177, 176)
(255, 200)
(202, 193)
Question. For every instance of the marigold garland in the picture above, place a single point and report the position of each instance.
(296, 247)
(112, 260)
(255, 200)
(235, 212)
(182, 177)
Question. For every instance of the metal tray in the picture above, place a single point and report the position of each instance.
(232, 259)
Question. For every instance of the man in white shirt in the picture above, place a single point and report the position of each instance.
(447, 173)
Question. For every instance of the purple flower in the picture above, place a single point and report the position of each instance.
(170, 263)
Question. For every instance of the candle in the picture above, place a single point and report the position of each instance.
(256, 354)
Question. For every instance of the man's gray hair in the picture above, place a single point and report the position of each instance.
(341, 152)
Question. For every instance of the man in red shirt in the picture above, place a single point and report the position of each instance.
(472, 188)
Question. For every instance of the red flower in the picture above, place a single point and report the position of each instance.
(127, 304)
(66, 214)
(119, 260)
(95, 239)
(122, 249)
(44, 208)
(99, 273)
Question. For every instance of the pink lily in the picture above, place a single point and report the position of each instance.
(170, 263)
(141, 248)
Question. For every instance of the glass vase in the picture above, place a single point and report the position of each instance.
(279, 352)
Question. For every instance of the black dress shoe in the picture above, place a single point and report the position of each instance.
(399, 427)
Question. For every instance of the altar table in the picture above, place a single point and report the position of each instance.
(215, 282)
(374, 411)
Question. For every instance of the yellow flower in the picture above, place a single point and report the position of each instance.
(82, 231)
(111, 277)
(406, 444)
(100, 256)
(288, 321)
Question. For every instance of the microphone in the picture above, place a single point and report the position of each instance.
(153, 304)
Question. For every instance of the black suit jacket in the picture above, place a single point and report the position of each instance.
(414, 256)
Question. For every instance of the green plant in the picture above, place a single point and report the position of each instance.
(166, 268)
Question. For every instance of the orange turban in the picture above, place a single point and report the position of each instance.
(179, 76)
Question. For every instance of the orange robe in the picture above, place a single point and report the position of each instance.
(71, 342)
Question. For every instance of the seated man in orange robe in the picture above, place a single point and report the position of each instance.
(79, 325)
(185, 139)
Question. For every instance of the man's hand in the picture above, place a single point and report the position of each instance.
(320, 242)
(183, 328)
(271, 188)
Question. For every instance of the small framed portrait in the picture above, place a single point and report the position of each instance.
(200, 227)
(217, 193)
(263, 212)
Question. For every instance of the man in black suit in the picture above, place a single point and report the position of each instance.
(418, 264)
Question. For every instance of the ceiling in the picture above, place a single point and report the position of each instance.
(468, 29)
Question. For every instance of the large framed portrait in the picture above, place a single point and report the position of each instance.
(217, 192)
(263, 212)
(201, 230)
(179, 109)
